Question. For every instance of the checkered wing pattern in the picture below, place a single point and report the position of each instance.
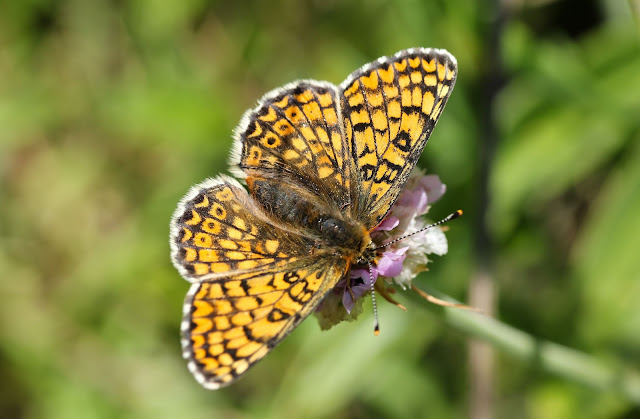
(295, 136)
(231, 323)
(390, 107)
(254, 281)
(218, 229)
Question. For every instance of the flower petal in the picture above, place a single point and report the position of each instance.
(433, 187)
(413, 199)
(358, 288)
(388, 224)
(390, 263)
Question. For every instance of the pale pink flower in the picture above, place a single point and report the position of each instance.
(398, 263)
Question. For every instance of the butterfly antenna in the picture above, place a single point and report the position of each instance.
(444, 220)
(376, 326)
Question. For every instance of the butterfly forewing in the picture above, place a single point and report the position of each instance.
(231, 323)
(390, 107)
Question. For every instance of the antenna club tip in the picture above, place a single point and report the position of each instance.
(457, 213)
(376, 332)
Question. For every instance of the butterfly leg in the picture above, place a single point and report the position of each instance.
(353, 297)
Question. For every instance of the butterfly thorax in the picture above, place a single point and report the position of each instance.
(349, 239)
(327, 228)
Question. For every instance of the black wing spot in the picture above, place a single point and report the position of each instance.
(291, 277)
(277, 315)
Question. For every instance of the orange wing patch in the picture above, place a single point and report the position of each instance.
(296, 134)
(231, 323)
(219, 230)
(390, 109)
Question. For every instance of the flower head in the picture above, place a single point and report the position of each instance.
(399, 262)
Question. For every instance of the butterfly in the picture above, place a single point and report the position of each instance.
(323, 165)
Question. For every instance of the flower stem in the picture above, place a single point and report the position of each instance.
(551, 357)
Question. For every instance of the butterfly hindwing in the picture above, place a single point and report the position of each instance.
(218, 229)
(390, 107)
(295, 137)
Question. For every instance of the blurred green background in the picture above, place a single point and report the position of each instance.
(111, 110)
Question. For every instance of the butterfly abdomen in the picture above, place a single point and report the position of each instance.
(290, 205)
(285, 202)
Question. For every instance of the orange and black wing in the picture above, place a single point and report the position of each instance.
(254, 280)
(218, 229)
(390, 107)
(294, 138)
(231, 323)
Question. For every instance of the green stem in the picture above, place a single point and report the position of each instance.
(556, 359)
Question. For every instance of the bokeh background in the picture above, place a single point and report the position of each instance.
(111, 110)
